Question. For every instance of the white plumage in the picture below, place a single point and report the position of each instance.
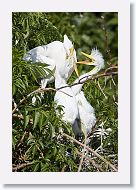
(57, 55)
(86, 111)
(61, 57)
(77, 110)
(66, 98)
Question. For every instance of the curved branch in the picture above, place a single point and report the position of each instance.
(39, 90)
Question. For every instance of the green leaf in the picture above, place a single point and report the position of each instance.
(41, 121)
(13, 90)
(36, 118)
(14, 142)
(36, 167)
(26, 118)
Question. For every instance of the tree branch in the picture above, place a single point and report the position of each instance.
(22, 166)
(92, 161)
(90, 77)
(39, 90)
(91, 150)
(82, 156)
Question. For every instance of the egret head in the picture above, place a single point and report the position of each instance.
(68, 45)
(95, 59)
(70, 53)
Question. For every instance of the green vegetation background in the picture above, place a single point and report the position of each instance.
(38, 144)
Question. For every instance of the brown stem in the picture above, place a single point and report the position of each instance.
(82, 156)
(91, 150)
(21, 141)
(39, 90)
(92, 161)
(22, 166)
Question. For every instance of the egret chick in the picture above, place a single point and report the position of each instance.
(66, 98)
(86, 111)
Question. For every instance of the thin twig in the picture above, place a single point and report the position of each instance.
(21, 117)
(82, 156)
(40, 151)
(91, 150)
(92, 161)
(22, 166)
(90, 77)
(21, 141)
(39, 90)
(111, 68)
(101, 89)
(15, 105)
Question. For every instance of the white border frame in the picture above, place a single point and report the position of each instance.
(123, 174)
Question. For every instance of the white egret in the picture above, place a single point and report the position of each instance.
(86, 111)
(57, 55)
(77, 110)
(66, 98)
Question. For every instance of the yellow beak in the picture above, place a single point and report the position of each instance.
(76, 70)
(87, 62)
(87, 55)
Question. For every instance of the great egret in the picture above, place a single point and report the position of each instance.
(96, 59)
(57, 55)
(66, 98)
(77, 110)
(86, 111)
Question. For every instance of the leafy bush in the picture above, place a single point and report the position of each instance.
(38, 144)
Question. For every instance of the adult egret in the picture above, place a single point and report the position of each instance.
(58, 56)
(86, 111)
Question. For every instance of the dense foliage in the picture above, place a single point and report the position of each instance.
(37, 142)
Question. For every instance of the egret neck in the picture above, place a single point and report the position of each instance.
(77, 88)
(60, 81)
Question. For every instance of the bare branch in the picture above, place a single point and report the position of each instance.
(20, 116)
(82, 156)
(21, 141)
(91, 150)
(92, 161)
(90, 77)
(21, 166)
(39, 90)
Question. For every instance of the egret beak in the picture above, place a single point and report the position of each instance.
(76, 70)
(89, 56)
(87, 62)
